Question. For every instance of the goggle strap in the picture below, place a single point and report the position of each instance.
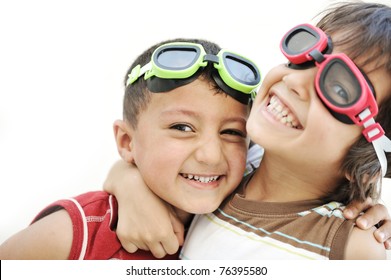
(372, 129)
(211, 58)
(137, 72)
(364, 115)
(381, 156)
(374, 133)
(145, 68)
(317, 55)
(382, 145)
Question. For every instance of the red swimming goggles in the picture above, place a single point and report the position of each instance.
(340, 84)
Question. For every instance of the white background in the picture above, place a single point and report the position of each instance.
(62, 65)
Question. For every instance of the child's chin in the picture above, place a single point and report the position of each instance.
(204, 208)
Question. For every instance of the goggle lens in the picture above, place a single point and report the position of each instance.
(241, 71)
(339, 85)
(176, 59)
(300, 41)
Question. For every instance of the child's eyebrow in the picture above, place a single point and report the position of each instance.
(181, 112)
(190, 113)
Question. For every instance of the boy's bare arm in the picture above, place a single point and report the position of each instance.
(145, 221)
(49, 238)
(373, 215)
(363, 246)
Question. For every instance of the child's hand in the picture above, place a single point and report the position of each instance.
(374, 215)
(144, 220)
(148, 230)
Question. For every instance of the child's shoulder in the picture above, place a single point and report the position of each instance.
(93, 197)
(362, 245)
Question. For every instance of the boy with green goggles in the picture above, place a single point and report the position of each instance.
(190, 143)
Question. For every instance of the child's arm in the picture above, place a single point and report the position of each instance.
(373, 215)
(49, 238)
(156, 228)
(363, 246)
(144, 220)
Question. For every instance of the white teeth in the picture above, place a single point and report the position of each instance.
(282, 113)
(201, 179)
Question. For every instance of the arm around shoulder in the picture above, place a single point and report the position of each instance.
(48, 238)
(362, 245)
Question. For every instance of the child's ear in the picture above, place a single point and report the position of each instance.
(123, 138)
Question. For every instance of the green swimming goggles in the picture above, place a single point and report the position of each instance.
(175, 64)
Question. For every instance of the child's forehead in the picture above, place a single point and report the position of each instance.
(197, 98)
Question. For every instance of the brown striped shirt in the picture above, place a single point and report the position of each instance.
(244, 229)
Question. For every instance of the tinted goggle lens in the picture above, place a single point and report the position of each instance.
(339, 85)
(344, 89)
(300, 41)
(241, 71)
(176, 59)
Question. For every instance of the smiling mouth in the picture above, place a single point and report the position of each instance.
(201, 179)
(282, 113)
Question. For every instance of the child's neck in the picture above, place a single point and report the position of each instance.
(275, 181)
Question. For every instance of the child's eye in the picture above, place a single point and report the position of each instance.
(234, 132)
(182, 127)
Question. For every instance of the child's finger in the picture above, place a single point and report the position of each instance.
(383, 234)
(130, 247)
(355, 208)
(179, 229)
(170, 245)
(157, 250)
(374, 216)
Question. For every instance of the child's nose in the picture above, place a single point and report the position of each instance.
(209, 151)
(301, 82)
